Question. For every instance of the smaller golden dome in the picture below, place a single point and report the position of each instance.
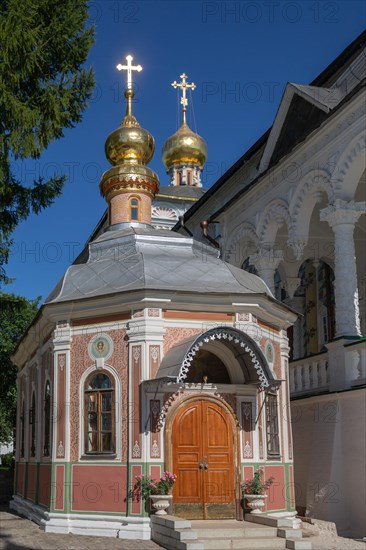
(129, 143)
(184, 146)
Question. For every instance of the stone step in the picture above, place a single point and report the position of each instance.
(297, 544)
(235, 533)
(248, 543)
(172, 543)
(179, 534)
(172, 522)
(270, 521)
(289, 533)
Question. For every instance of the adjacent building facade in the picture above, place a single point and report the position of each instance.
(292, 210)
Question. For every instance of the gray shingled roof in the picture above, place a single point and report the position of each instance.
(180, 192)
(141, 257)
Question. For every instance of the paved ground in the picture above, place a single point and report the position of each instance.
(335, 543)
(17, 533)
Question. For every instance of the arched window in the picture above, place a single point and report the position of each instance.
(47, 420)
(32, 422)
(189, 177)
(22, 431)
(99, 407)
(134, 209)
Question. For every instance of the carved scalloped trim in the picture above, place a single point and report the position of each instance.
(277, 211)
(179, 395)
(227, 335)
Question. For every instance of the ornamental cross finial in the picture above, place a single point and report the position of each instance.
(129, 68)
(183, 85)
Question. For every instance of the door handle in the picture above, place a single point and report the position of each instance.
(200, 465)
(205, 466)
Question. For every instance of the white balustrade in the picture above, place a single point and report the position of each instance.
(309, 375)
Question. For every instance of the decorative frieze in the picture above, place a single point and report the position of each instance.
(136, 352)
(225, 334)
(154, 359)
(247, 425)
(155, 434)
(61, 404)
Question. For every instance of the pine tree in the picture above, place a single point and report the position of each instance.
(44, 89)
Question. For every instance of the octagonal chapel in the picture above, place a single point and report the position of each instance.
(150, 354)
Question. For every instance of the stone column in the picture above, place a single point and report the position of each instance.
(342, 217)
(266, 262)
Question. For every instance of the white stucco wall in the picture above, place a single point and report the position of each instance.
(329, 434)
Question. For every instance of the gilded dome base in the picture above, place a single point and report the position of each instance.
(125, 178)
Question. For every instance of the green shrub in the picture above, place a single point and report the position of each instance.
(7, 460)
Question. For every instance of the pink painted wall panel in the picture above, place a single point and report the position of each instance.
(136, 504)
(44, 493)
(32, 482)
(59, 491)
(99, 488)
(21, 476)
(277, 492)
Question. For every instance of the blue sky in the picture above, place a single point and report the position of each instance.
(239, 54)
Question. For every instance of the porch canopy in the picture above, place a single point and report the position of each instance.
(242, 357)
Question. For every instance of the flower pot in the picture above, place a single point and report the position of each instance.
(255, 503)
(160, 503)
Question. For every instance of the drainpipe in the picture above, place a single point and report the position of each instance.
(205, 234)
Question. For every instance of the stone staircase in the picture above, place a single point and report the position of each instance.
(176, 533)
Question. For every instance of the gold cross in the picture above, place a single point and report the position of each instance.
(183, 86)
(129, 68)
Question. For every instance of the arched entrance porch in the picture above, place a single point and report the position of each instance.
(215, 373)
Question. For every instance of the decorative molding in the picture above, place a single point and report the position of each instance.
(245, 317)
(224, 334)
(135, 379)
(244, 232)
(155, 451)
(297, 245)
(60, 450)
(153, 312)
(162, 212)
(136, 450)
(136, 353)
(276, 211)
(228, 399)
(356, 149)
(342, 213)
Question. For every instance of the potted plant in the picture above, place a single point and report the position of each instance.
(157, 491)
(254, 491)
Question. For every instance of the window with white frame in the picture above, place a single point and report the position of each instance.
(99, 414)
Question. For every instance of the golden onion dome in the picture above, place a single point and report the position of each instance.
(129, 143)
(184, 146)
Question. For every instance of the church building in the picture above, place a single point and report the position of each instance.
(151, 354)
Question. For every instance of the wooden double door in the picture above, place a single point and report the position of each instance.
(203, 459)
